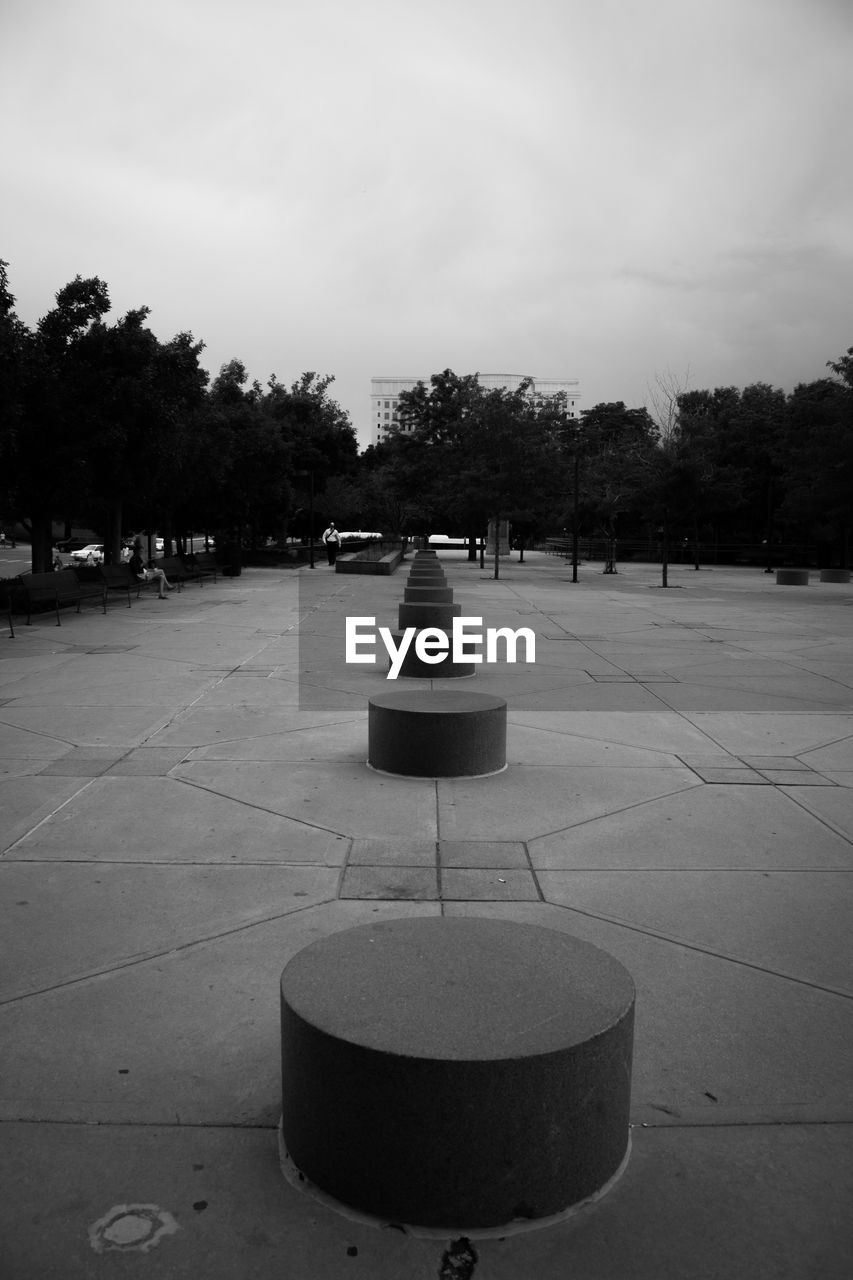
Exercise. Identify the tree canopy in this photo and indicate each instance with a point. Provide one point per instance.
(109, 427)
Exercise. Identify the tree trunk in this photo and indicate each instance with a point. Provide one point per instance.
(112, 546)
(42, 543)
(497, 545)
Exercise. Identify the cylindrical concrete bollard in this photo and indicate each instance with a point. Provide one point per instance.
(792, 577)
(428, 568)
(414, 668)
(438, 595)
(456, 1072)
(835, 575)
(443, 733)
(422, 615)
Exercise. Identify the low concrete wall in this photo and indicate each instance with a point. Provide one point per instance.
(387, 564)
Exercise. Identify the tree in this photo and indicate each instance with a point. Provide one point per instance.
(133, 395)
(239, 480)
(14, 340)
(47, 462)
(478, 454)
(818, 462)
(609, 449)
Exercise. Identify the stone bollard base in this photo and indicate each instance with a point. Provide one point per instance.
(456, 1072)
(441, 733)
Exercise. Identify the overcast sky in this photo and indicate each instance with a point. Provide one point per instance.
(608, 190)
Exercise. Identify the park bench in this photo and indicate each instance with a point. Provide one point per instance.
(56, 589)
(205, 563)
(110, 577)
(178, 571)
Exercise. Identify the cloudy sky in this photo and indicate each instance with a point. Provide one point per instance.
(611, 190)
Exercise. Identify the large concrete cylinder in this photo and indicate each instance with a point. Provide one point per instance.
(456, 1072)
(444, 733)
(430, 593)
(423, 614)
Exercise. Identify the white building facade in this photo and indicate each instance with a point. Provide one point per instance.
(385, 395)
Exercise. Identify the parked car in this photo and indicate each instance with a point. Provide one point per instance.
(93, 549)
(70, 544)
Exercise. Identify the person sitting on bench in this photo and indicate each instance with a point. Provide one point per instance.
(144, 574)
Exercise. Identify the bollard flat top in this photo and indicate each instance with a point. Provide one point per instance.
(436, 702)
(457, 988)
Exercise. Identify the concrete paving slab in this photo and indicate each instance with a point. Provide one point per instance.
(25, 802)
(402, 852)
(336, 742)
(482, 853)
(17, 744)
(418, 884)
(746, 697)
(91, 726)
(793, 923)
(345, 797)
(189, 1037)
(732, 826)
(659, 730)
(837, 756)
(795, 778)
(710, 1030)
(96, 917)
(202, 725)
(162, 1009)
(546, 746)
(501, 884)
(834, 807)
(592, 696)
(773, 732)
(737, 776)
(694, 1181)
(529, 802)
(84, 762)
(176, 822)
(153, 762)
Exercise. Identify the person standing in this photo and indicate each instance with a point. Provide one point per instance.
(332, 539)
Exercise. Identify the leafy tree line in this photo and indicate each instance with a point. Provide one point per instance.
(722, 466)
(105, 426)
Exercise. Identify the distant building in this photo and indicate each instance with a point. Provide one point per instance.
(385, 395)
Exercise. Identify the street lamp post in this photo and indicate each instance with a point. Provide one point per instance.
(575, 519)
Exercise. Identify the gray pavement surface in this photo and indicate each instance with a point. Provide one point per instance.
(186, 804)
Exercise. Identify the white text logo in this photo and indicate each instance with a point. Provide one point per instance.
(466, 643)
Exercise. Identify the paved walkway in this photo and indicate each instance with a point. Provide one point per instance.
(186, 804)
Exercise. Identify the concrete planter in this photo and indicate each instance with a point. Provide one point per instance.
(792, 577)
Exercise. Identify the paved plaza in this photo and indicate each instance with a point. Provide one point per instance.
(186, 804)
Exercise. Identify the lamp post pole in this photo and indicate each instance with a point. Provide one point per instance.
(575, 519)
(311, 519)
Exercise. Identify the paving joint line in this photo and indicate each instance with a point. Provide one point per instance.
(137, 961)
(674, 940)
